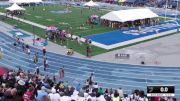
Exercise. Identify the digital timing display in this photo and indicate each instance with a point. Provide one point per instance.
(160, 90)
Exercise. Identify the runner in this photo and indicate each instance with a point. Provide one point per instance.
(15, 45)
(45, 64)
(54, 79)
(61, 73)
(44, 50)
(35, 58)
(88, 51)
(18, 40)
(37, 70)
(28, 51)
(23, 47)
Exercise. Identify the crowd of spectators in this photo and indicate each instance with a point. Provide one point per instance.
(27, 86)
(12, 13)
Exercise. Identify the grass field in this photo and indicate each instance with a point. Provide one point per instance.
(62, 21)
(74, 20)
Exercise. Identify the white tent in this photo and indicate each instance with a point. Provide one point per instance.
(25, 1)
(129, 15)
(15, 7)
(90, 4)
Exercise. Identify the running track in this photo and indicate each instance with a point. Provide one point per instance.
(108, 75)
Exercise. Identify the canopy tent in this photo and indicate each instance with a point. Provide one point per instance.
(25, 1)
(90, 4)
(15, 7)
(129, 15)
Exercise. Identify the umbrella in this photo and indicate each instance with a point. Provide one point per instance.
(3, 70)
(51, 28)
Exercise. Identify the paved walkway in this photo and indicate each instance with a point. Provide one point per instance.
(161, 52)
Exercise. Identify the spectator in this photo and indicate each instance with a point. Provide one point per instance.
(37, 70)
(28, 95)
(91, 78)
(111, 91)
(100, 97)
(45, 98)
(142, 96)
(120, 91)
(74, 96)
(41, 93)
(54, 96)
(66, 84)
(135, 95)
(65, 98)
(100, 91)
(95, 87)
(78, 87)
(116, 96)
(19, 86)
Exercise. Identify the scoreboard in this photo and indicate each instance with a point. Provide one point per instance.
(160, 90)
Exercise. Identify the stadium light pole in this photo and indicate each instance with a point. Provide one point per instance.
(33, 34)
(166, 9)
(177, 5)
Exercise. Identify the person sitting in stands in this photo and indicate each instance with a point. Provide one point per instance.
(70, 51)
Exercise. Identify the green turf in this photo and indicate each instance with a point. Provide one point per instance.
(73, 19)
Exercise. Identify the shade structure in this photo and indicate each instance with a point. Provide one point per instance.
(15, 7)
(3, 70)
(129, 15)
(25, 1)
(90, 4)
